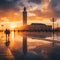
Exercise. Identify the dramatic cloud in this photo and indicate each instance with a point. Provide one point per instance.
(35, 1)
(7, 4)
(35, 8)
(55, 5)
(16, 4)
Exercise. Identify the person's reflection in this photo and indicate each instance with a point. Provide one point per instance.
(24, 45)
(8, 42)
(7, 32)
(53, 39)
(14, 33)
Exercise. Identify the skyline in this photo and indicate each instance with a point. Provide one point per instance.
(14, 24)
(37, 11)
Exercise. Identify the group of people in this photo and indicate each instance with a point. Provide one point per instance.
(7, 32)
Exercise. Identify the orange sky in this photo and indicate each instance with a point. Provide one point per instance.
(37, 12)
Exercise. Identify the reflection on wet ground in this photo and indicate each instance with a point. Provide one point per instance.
(30, 46)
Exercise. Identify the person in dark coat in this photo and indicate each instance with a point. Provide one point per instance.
(7, 32)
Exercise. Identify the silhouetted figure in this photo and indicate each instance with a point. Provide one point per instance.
(7, 32)
(24, 45)
(7, 43)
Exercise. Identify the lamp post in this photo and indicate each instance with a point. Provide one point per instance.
(2, 29)
(57, 30)
(53, 20)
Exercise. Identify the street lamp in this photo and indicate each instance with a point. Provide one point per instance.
(53, 20)
(2, 30)
(57, 29)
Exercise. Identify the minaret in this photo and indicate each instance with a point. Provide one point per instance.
(24, 16)
(24, 45)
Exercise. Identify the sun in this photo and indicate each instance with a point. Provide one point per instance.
(12, 26)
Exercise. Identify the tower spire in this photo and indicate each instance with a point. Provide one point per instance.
(24, 16)
(24, 8)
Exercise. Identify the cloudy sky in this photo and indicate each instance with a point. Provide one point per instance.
(11, 10)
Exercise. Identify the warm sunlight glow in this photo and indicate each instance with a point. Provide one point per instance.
(45, 5)
(4, 19)
(13, 26)
(10, 25)
(12, 35)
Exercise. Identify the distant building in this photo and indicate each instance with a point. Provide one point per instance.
(41, 26)
(38, 24)
(24, 16)
(37, 27)
(57, 29)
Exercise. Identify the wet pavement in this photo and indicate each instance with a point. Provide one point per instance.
(5, 52)
(38, 48)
